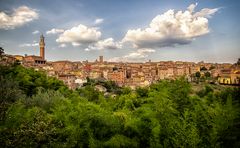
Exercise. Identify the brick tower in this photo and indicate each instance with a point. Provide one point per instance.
(42, 47)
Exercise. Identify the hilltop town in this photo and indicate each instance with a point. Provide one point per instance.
(75, 74)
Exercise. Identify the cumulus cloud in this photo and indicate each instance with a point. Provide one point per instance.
(87, 37)
(54, 31)
(138, 55)
(35, 32)
(19, 17)
(171, 28)
(108, 43)
(80, 35)
(99, 21)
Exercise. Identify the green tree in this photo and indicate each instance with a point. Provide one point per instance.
(207, 74)
(9, 93)
(198, 74)
(203, 68)
(238, 61)
(212, 67)
(89, 93)
(142, 92)
(1, 51)
(27, 127)
(126, 90)
(169, 113)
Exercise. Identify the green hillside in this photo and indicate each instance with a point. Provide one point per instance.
(40, 111)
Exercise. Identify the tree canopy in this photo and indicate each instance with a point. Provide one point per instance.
(40, 111)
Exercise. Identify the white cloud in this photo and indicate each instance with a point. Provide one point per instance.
(35, 32)
(75, 44)
(138, 55)
(105, 44)
(171, 28)
(19, 17)
(87, 37)
(28, 45)
(192, 7)
(87, 49)
(99, 21)
(54, 31)
(206, 12)
(62, 45)
(79, 35)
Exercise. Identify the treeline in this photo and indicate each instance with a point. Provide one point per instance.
(40, 111)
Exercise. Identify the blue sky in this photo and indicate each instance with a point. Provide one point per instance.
(133, 30)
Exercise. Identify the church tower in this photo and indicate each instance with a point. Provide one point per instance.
(42, 47)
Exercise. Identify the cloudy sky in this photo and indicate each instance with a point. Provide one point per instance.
(122, 30)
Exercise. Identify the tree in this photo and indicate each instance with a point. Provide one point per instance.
(9, 90)
(29, 80)
(17, 62)
(212, 67)
(169, 113)
(89, 93)
(1, 51)
(238, 62)
(198, 74)
(142, 92)
(126, 90)
(9, 93)
(207, 74)
(27, 127)
(203, 68)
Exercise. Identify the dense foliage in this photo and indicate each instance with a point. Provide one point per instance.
(40, 111)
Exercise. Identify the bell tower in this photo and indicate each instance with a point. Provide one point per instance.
(42, 47)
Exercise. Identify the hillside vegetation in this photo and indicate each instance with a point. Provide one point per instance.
(40, 111)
